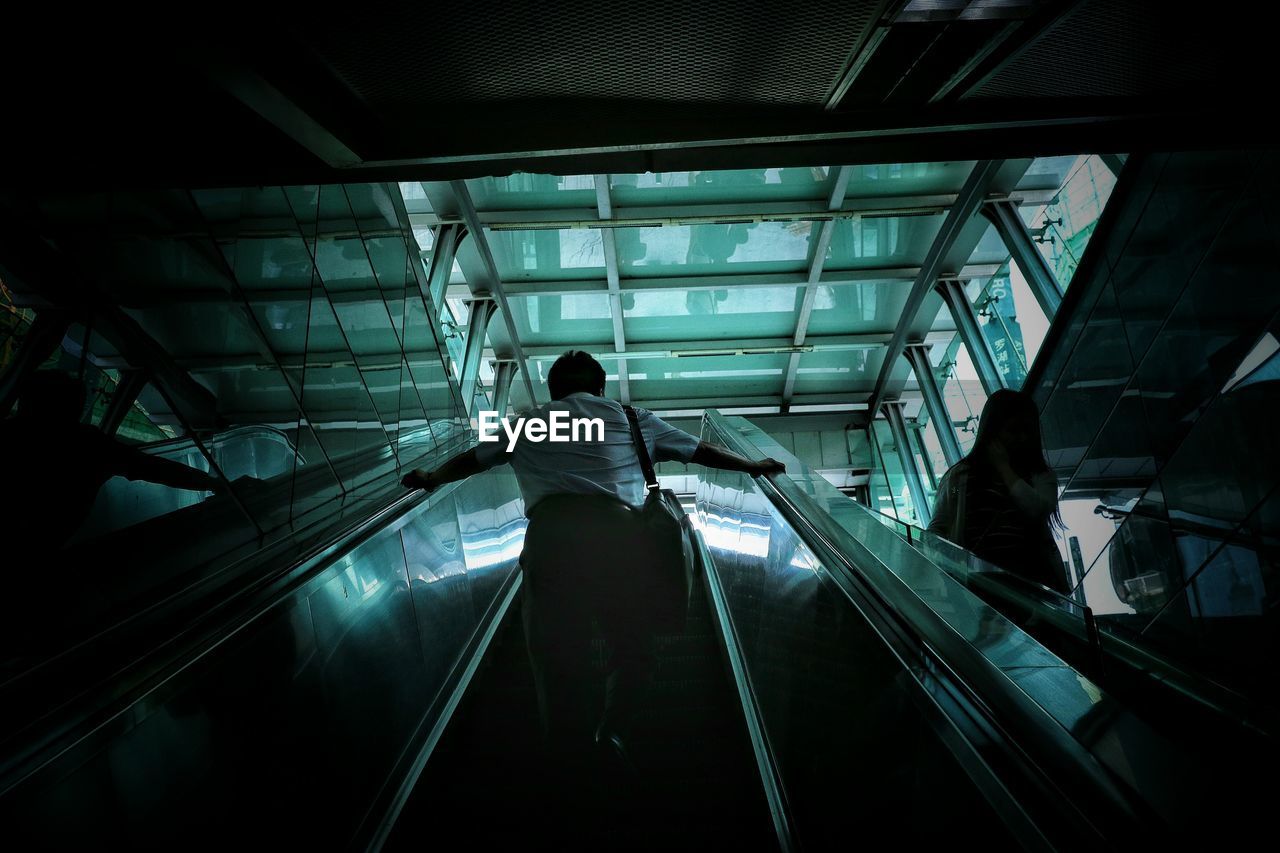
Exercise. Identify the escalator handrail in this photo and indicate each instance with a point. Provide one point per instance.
(110, 697)
(992, 694)
(1113, 642)
(917, 536)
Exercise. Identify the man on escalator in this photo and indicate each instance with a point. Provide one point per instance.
(585, 555)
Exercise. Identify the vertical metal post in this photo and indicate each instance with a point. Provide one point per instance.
(966, 320)
(477, 328)
(503, 372)
(918, 355)
(915, 430)
(1017, 239)
(897, 425)
(440, 265)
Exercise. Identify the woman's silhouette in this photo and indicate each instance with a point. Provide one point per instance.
(1000, 501)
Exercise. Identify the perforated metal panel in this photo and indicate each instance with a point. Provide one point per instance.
(1117, 48)
(781, 53)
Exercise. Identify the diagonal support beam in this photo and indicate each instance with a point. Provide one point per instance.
(967, 204)
(966, 322)
(468, 211)
(473, 349)
(1017, 239)
(604, 206)
(503, 372)
(825, 230)
(444, 246)
(918, 355)
(907, 459)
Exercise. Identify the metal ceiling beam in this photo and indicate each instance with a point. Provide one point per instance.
(571, 287)
(660, 349)
(1009, 48)
(742, 346)
(639, 216)
(878, 25)
(604, 206)
(231, 73)
(815, 273)
(828, 278)
(971, 198)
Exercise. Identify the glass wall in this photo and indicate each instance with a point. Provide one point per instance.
(1158, 418)
(276, 340)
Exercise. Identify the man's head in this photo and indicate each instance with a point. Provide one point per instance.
(52, 396)
(575, 371)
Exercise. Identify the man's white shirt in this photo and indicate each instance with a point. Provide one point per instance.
(589, 466)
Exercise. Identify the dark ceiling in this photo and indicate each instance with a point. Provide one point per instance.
(284, 93)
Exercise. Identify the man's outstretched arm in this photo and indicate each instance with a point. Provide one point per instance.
(460, 467)
(727, 460)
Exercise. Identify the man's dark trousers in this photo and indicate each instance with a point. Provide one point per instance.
(585, 558)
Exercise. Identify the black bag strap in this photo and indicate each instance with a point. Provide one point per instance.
(637, 438)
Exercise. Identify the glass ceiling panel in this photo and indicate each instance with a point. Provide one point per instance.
(718, 187)
(870, 306)
(716, 377)
(574, 320)
(705, 314)
(870, 242)
(711, 249)
(548, 255)
(1048, 173)
(990, 249)
(532, 192)
(893, 179)
(271, 263)
(851, 371)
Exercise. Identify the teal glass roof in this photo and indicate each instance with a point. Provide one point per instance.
(709, 285)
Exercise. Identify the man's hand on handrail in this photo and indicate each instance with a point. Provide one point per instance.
(717, 457)
(460, 467)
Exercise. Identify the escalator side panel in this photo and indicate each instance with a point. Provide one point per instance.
(305, 710)
(852, 747)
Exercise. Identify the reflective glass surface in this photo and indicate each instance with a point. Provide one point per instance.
(762, 247)
(871, 242)
(718, 187)
(548, 255)
(1159, 424)
(709, 314)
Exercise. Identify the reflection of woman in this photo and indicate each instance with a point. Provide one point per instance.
(1000, 500)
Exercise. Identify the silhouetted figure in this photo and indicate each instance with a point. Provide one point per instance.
(54, 465)
(1000, 501)
(585, 556)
